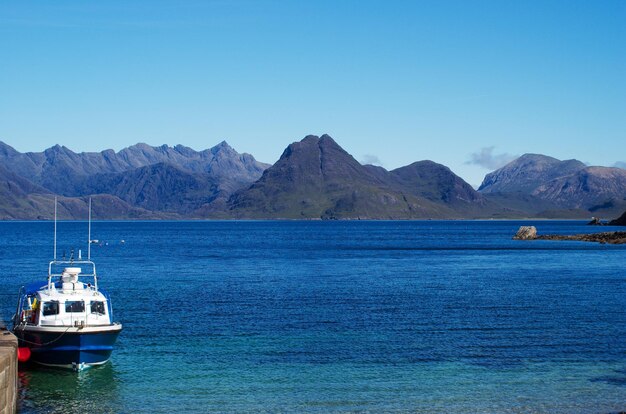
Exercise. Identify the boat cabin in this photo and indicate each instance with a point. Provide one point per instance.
(66, 302)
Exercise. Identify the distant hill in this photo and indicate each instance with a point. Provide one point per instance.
(526, 173)
(316, 178)
(158, 187)
(585, 188)
(436, 182)
(18, 196)
(104, 206)
(537, 183)
(20, 199)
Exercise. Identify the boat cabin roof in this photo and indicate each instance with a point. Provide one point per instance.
(61, 292)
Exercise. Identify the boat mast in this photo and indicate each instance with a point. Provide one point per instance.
(89, 233)
(55, 228)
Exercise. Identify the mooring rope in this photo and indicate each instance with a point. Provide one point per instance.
(46, 343)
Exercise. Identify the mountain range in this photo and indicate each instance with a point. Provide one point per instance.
(143, 181)
(554, 185)
(313, 179)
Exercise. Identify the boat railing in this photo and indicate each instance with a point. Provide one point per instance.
(25, 313)
(18, 310)
(74, 263)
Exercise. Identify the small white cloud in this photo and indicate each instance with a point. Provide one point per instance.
(487, 159)
(371, 159)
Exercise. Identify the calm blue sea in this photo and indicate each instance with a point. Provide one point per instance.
(420, 316)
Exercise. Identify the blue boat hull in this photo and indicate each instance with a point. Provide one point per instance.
(75, 350)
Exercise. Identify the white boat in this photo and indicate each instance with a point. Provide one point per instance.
(66, 321)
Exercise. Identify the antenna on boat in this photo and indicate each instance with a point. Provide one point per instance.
(55, 228)
(89, 233)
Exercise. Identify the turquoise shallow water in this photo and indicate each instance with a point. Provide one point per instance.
(339, 317)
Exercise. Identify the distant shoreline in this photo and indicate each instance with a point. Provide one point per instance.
(192, 220)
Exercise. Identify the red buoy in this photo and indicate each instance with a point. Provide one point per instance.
(23, 354)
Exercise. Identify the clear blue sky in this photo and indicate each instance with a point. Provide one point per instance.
(390, 81)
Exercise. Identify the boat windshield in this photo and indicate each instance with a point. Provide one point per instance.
(51, 308)
(97, 307)
(74, 306)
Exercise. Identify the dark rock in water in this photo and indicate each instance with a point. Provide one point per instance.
(526, 233)
(611, 237)
(595, 221)
(621, 221)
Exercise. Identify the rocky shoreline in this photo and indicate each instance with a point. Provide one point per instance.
(611, 237)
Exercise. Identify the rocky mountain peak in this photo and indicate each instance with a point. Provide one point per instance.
(535, 158)
(224, 148)
(141, 145)
(309, 139)
(56, 149)
(185, 151)
(525, 173)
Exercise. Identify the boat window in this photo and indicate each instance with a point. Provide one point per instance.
(75, 306)
(97, 307)
(50, 308)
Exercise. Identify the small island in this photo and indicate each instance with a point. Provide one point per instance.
(611, 237)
